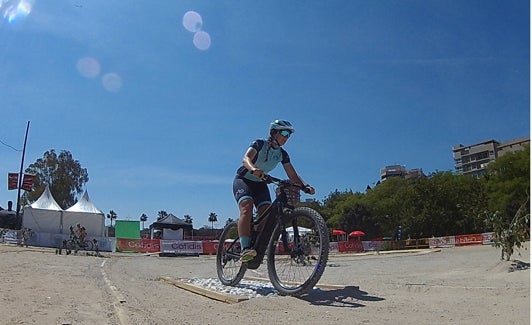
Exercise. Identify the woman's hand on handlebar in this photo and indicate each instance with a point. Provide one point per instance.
(258, 173)
(308, 189)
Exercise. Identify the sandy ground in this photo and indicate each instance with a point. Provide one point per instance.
(463, 285)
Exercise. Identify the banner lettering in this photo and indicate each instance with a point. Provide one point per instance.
(12, 181)
(27, 182)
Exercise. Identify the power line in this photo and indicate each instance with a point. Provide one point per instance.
(7, 145)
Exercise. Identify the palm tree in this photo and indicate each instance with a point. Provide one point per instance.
(143, 218)
(111, 215)
(161, 215)
(188, 218)
(212, 219)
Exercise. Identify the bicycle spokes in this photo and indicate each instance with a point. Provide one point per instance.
(297, 255)
(228, 266)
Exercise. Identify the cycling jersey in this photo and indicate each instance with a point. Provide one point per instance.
(266, 159)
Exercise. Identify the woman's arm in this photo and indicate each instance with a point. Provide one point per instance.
(295, 178)
(247, 161)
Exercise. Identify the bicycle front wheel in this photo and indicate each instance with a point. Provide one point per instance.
(88, 245)
(294, 270)
(71, 245)
(228, 266)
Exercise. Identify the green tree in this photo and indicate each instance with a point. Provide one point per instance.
(508, 189)
(331, 210)
(385, 204)
(112, 216)
(212, 219)
(143, 218)
(62, 173)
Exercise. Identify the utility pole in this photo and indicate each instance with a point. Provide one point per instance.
(21, 175)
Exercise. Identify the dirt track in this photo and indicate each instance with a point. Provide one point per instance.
(466, 285)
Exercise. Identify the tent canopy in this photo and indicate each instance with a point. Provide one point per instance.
(45, 215)
(46, 201)
(302, 230)
(356, 233)
(172, 222)
(84, 205)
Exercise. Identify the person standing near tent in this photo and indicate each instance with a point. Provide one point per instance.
(78, 230)
(82, 235)
(249, 187)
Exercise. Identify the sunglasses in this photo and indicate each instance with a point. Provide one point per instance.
(285, 133)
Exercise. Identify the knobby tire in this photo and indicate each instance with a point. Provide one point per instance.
(228, 266)
(297, 273)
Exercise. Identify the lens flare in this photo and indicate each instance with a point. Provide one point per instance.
(112, 82)
(192, 21)
(202, 40)
(13, 10)
(88, 67)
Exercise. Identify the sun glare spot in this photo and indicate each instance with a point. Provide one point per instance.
(192, 21)
(112, 82)
(88, 67)
(13, 10)
(202, 40)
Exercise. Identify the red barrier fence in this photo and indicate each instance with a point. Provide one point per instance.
(209, 247)
(138, 245)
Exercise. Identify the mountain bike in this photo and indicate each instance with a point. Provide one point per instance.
(75, 244)
(294, 239)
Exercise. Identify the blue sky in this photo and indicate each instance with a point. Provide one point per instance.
(159, 106)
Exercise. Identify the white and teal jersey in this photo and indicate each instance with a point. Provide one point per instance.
(266, 159)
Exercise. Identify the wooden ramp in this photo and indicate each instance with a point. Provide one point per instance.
(229, 298)
(183, 284)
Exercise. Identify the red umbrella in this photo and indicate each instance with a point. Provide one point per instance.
(338, 232)
(357, 233)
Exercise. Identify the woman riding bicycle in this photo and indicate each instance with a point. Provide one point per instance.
(249, 187)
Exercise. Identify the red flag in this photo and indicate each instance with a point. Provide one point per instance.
(27, 182)
(12, 181)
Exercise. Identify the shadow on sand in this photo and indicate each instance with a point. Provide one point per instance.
(349, 296)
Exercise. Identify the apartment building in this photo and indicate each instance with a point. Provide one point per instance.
(400, 171)
(473, 159)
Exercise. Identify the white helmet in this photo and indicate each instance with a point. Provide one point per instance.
(280, 125)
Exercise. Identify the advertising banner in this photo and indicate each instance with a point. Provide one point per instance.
(441, 242)
(210, 247)
(333, 247)
(487, 238)
(138, 245)
(463, 240)
(350, 246)
(181, 247)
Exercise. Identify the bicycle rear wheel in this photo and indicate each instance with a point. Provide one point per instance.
(71, 245)
(295, 271)
(228, 266)
(88, 245)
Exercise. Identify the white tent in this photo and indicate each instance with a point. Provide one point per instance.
(46, 201)
(45, 215)
(85, 213)
(301, 230)
(84, 205)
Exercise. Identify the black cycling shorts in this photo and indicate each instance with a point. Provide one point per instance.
(244, 188)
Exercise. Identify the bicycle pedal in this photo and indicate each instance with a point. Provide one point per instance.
(253, 264)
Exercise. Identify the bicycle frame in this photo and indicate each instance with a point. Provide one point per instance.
(295, 264)
(273, 215)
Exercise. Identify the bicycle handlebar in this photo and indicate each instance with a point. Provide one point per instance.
(271, 179)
